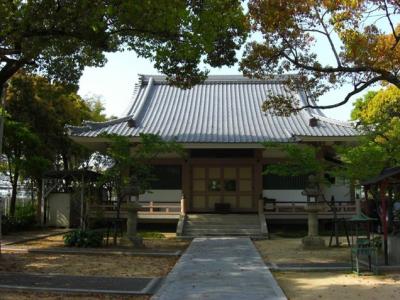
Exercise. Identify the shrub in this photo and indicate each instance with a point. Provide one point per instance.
(24, 218)
(7, 224)
(84, 238)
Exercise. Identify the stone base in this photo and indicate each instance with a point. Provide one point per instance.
(136, 242)
(313, 242)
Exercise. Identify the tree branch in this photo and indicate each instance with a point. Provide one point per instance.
(396, 37)
(386, 75)
(357, 89)
(321, 21)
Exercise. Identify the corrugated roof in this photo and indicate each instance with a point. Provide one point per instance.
(224, 109)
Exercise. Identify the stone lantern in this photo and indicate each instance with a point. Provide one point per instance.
(314, 205)
(132, 207)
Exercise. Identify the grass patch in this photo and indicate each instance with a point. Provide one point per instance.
(151, 234)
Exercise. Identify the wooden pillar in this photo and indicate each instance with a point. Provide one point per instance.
(383, 188)
(82, 221)
(42, 204)
(367, 210)
(186, 179)
(257, 175)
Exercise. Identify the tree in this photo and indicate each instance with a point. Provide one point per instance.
(378, 116)
(308, 160)
(59, 38)
(362, 37)
(19, 148)
(35, 137)
(128, 167)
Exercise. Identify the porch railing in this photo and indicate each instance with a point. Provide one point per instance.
(148, 208)
(297, 207)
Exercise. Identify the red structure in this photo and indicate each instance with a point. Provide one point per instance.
(383, 183)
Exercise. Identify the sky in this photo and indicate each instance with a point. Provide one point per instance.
(114, 83)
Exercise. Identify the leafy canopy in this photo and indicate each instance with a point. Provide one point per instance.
(362, 39)
(59, 38)
(378, 117)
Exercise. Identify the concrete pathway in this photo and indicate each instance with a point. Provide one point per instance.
(220, 268)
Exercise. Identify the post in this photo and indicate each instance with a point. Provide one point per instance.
(82, 197)
(2, 97)
(1, 213)
(260, 206)
(183, 206)
(384, 216)
(41, 204)
(358, 206)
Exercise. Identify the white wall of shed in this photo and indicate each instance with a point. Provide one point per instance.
(59, 209)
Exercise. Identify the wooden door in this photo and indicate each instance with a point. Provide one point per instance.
(222, 184)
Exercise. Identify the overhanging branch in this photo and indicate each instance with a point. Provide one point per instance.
(356, 90)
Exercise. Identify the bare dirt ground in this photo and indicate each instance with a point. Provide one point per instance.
(4, 295)
(331, 285)
(91, 265)
(289, 250)
(87, 265)
(165, 244)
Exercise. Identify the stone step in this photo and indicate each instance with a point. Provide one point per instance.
(220, 231)
(223, 226)
(222, 216)
(196, 223)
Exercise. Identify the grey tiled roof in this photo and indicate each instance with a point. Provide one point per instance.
(224, 109)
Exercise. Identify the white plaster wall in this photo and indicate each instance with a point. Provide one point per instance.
(161, 196)
(59, 209)
(285, 195)
(340, 191)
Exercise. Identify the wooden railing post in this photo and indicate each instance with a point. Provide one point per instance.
(183, 205)
(260, 206)
(151, 206)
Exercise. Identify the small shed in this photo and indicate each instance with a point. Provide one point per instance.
(64, 196)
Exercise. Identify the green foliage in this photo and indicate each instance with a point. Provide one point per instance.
(379, 117)
(26, 214)
(360, 105)
(361, 162)
(24, 218)
(59, 38)
(34, 135)
(300, 160)
(128, 168)
(84, 238)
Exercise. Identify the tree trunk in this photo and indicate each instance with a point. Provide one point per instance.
(14, 191)
(65, 162)
(39, 202)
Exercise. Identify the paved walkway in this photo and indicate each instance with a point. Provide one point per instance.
(77, 284)
(220, 268)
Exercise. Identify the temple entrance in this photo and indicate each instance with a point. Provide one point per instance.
(229, 187)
